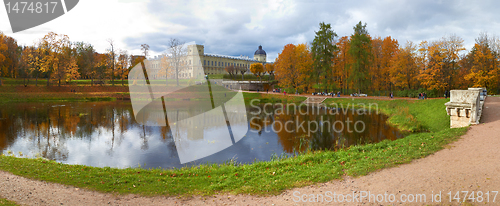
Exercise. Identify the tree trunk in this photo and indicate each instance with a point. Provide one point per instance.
(36, 80)
(91, 81)
(177, 75)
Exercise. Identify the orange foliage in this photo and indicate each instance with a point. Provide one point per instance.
(294, 67)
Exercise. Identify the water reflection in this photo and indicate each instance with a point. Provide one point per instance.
(106, 134)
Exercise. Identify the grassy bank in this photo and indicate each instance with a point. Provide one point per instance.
(5, 202)
(262, 178)
(63, 93)
(101, 93)
(407, 115)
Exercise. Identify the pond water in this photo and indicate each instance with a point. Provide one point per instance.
(106, 134)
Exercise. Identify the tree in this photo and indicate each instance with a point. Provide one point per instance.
(177, 52)
(242, 71)
(294, 66)
(59, 57)
(145, 49)
(440, 62)
(483, 71)
(404, 70)
(11, 56)
(3, 58)
(383, 51)
(323, 48)
(51, 46)
(113, 59)
(101, 66)
(270, 69)
(86, 61)
(432, 76)
(343, 61)
(165, 68)
(231, 71)
(390, 48)
(123, 64)
(257, 69)
(360, 52)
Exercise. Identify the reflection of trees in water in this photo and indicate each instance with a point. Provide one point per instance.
(48, 126)
(328, 129)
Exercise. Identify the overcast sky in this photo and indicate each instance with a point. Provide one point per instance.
(236, 27)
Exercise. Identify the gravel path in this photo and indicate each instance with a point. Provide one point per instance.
(470, 164)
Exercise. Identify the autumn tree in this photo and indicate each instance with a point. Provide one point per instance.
(3, 58)
(360, 52)
(432, 75)
(257, 69)
(383, 51)
(101, 66)
(166, 70)
(59, 57)
(270, 69)
(123, 64)
(50, 46)
(403, 71)
(484, 67)
(11, 55)
(323, 48)
(343, 61)
(440, 62)
(294, 67)
(34, 61)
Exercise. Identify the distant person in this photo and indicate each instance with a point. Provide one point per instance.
(392, 95)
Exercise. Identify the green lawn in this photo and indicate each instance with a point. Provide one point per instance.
(427, 118)
(5, 202)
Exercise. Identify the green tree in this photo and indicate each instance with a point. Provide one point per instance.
(360, 52)
(323, 48)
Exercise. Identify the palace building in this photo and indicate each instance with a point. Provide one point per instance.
(196, 63)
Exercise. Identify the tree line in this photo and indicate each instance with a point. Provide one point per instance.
(56, 58)
(376, 65)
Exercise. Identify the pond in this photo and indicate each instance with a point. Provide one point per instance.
(107, 134)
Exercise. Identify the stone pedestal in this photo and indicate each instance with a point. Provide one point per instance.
(464, 107)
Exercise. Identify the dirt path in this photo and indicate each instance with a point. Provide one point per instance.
(470, 164)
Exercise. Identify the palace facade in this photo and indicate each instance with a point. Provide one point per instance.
(196, 63)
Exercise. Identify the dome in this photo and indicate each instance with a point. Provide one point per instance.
(260, 51)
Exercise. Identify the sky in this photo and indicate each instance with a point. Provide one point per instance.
(238, 27)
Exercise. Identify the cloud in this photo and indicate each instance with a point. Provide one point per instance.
(239, 27)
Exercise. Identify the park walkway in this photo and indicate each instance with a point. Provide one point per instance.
(469, 164)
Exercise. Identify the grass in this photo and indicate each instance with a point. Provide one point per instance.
(407, 115)
(63, 93)
(263, 178)
(5, 202)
